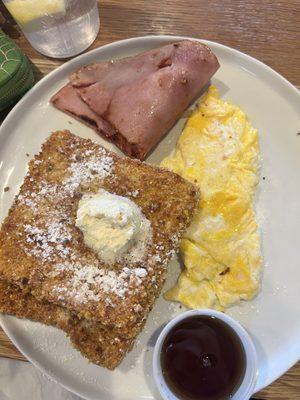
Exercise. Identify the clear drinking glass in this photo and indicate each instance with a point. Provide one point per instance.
(57, 28)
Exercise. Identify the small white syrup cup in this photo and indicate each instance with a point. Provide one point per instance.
(246, 388)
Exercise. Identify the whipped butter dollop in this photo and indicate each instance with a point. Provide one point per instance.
(112, 225)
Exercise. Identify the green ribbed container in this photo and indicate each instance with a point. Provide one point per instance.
(16, 76)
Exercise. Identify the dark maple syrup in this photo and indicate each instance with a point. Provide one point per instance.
(202, 358)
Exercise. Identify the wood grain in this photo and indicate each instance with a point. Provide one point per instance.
(266, 29)
(7, 349)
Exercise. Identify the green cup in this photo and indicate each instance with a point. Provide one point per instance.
(16, 76)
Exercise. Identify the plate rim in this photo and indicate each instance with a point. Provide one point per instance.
(56, 71)
(146, 38)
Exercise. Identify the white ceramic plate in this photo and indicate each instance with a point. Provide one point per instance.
(273, 318)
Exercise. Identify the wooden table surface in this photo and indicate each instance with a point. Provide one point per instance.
(266, 29)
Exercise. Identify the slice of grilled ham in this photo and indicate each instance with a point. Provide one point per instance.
(134, 101)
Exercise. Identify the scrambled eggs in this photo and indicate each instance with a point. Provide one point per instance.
(218, 151)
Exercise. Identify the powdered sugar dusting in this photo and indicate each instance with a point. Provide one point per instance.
(87, 282)
(48, 237)
(77, 276)
(85, 171)
(49, 240)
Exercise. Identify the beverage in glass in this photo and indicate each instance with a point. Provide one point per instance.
(57, 28)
